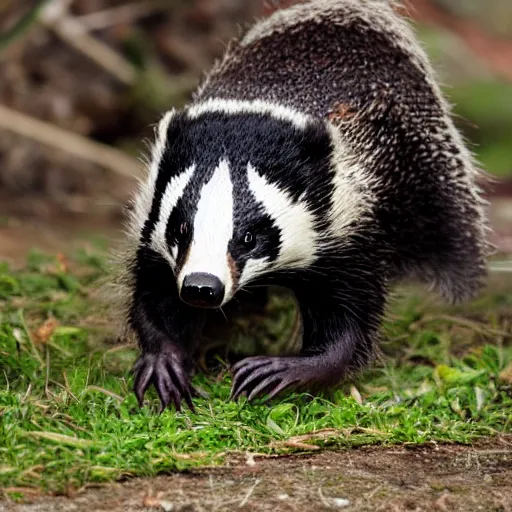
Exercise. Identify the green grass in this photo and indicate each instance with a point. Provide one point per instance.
(68, 417)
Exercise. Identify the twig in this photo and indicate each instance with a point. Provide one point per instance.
(56, 137)
(120, 14)
(374, 492)
(248, 495)
(105, 392)
(35, 352)
(66, 389)
(300, 446)
(465, 322)
(47, 373)
(322, 498)
(505, 266)
(55, 17)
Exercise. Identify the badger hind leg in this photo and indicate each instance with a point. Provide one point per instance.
(341, 318)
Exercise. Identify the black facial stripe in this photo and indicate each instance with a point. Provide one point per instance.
(186, 209)
(176, 219)
(175, 159)
(298, 161)
(249, 215)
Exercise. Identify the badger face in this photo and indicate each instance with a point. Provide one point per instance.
(232, 196)
(222, 239)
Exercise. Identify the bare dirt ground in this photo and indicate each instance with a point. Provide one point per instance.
(18, 236)
(433, 478)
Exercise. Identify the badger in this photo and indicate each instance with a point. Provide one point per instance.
(320, 155)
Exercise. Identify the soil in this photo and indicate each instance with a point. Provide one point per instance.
(432, 478)
(52, 235)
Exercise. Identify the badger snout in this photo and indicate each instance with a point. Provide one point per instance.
(202, 290)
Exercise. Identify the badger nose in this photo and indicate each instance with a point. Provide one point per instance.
(202, 290)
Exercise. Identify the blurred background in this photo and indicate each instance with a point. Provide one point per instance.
(82, 81)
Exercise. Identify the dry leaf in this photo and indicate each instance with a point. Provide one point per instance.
(158, 503)
(151, 502)
(63, 263)
(44, 332)
(506, 375)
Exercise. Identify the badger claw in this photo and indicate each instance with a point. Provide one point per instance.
(164, 370)
(256, 376)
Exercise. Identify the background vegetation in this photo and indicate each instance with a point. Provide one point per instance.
(99, 72)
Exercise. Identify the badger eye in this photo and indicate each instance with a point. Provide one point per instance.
(178, 233)
(249, 240)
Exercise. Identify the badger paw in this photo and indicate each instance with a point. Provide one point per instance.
(165, 371)
(256, 376)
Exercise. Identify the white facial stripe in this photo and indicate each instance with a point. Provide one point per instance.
(213, 229)
(173, 192)
(144, 197)
(253, 268)
(296, 222)
(277, 111)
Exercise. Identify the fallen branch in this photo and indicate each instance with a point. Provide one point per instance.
(51, 135)
(54, 16)
(157, 84)
(120, 14)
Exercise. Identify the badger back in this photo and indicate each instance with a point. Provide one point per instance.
(321, 54)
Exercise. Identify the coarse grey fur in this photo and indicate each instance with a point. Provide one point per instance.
(401, 187)
(360, 64)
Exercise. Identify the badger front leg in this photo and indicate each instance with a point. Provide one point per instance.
(339, 332)
(167, 330)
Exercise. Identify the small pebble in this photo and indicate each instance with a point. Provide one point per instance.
(166, 506)
(340, 502)
(283, 497)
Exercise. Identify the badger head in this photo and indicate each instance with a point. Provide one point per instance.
(236, 191)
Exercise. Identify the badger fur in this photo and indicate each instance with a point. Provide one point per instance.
(320, 155)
